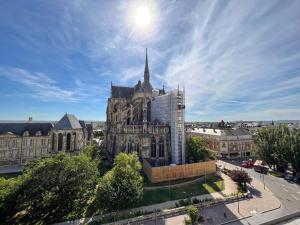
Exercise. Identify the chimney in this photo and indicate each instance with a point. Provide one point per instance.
(30, 119)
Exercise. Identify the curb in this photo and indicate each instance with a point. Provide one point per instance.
(232, 221)
(282, 219)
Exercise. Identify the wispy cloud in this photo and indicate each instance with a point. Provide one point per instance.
(236, 59)
(41, 85)
(237, 54)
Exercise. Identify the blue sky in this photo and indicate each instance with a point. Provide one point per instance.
(238, 60)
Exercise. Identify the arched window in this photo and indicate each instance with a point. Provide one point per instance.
(68, 142)
(137, 147)
(129, 146)
(153, 147)
(161, 148)
(60, 141)
(53, 141)
(74, 141)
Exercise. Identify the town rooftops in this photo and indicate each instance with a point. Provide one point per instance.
(221, 132)
(19, 128)
(68, 121)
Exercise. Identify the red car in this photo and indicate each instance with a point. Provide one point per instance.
(247, 164)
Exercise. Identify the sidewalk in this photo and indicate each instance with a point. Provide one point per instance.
(263, 200)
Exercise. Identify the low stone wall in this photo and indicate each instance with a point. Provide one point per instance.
(166, 173)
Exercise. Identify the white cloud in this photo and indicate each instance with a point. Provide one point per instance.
(235, 55)
(41, 85)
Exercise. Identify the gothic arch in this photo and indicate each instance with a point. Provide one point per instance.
(68, 146)
(60, 141)
(161, 147)
(153, 147)
(75, 141)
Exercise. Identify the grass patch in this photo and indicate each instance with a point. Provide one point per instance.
(213, 184)
(10, 175)
(276, 174)
(147, 182)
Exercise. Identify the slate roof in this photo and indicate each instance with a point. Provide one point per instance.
(20, 128)
(82, 123)
(236, 132)
(226, 132)
(121, 92)
(68, 121)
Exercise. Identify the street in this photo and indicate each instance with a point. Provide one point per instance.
(288, 194)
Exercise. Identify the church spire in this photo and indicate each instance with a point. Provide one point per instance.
(146, 72)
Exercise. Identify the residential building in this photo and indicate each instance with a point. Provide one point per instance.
(226, 143)
(24, 141)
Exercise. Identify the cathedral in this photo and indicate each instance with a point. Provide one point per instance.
(133, 124)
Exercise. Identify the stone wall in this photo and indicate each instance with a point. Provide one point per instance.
(165, 173)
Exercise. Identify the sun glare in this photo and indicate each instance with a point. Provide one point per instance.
(142, 16)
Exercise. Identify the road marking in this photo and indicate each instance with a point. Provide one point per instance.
(285, 189)
(295, 197)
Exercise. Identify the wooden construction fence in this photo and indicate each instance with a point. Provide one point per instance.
(166, 173)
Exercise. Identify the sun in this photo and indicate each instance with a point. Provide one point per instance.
(143, 16)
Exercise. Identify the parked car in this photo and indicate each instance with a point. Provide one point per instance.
(289, 177)
(249, 195)
(247, 164)
(259, 166)
(296, 180)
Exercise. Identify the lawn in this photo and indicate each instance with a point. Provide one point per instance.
(213, 184)
(10, 175)
(276, 174)
(147, 182)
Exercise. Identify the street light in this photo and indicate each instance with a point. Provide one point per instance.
(237, 194)
(264, 180)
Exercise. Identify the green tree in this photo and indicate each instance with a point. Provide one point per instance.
(92, 151)
(121, 187)
(54, 189)
(196, 149)
(194, 217)
(273, 145)
(264, 145)
(294, 156)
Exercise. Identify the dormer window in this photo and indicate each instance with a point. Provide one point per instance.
(26, 134)
(38, 133)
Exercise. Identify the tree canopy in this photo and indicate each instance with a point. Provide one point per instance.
(196, 150)
(52, 189)
(279, 147)
(194, 217)
(121, 187)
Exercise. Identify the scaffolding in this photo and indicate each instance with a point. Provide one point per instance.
(169, 109)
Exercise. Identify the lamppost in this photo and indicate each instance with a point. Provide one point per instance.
(205, 173)
(237, 194)
(264, 180)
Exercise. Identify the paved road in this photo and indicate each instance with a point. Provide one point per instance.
(287, 192)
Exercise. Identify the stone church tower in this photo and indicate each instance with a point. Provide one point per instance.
(129, 126)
